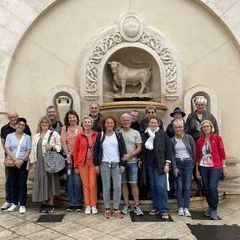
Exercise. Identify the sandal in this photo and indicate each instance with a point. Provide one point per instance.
(117, 214)
(107, 214)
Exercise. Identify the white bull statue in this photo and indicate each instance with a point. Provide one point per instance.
(124, 76)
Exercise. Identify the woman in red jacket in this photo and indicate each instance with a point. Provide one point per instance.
(83, 162)
(210, 164)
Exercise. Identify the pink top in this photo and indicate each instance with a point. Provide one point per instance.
(68, 138)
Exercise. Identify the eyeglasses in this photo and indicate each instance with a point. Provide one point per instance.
(22, 124)
(45, 122)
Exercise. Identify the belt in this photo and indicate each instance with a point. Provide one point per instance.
(183, 159)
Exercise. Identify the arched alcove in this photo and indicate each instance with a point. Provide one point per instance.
(135, 58)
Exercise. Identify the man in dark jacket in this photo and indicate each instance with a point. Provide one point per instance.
(200, 114)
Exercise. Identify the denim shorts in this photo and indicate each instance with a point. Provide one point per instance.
(131, 173)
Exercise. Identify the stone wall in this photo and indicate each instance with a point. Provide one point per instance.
(59, 30)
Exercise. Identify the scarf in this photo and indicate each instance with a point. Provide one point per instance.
(149, 142)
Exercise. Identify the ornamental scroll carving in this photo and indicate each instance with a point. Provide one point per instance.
(98, 53)
(147, 39)
(167, 60)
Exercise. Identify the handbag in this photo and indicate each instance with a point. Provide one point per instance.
(8, 162)
(54, 162)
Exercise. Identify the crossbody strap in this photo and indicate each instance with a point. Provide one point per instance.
(19, 146)
(49, 138)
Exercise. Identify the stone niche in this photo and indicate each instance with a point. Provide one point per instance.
(137, 58)
(131, 41)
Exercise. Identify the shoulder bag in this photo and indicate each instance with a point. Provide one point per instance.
(54, 162)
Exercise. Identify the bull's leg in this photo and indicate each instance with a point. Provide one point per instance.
(115, 88)
(142, 88)
(123, 86)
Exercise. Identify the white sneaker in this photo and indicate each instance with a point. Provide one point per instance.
(22, 209)
(94, 210)
(187, 213)
(180, 212)
(12, 208)
(5, 206)
(88, 210)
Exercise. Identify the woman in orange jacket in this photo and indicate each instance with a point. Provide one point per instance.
(83, 162)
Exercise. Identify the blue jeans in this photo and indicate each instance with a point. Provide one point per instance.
(210, 178)
(18, 179)
(183, 181)
(74, 188)
(107, 171)
(158, 183)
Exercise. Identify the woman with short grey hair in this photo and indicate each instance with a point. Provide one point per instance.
(184, 152)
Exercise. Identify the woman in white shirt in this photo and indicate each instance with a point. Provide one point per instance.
(109, 160)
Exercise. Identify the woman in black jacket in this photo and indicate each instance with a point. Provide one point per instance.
(157, 155)
(109, 151)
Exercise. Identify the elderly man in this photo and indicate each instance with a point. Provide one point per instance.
(5, 130)
(194, 119)
(133, 143)
(52, 114)
(95, 115)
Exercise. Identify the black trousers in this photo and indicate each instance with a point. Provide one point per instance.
(18, 180)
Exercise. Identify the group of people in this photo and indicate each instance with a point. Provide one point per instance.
(93, 146)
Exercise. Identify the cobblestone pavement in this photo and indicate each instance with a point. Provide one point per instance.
(79, 226)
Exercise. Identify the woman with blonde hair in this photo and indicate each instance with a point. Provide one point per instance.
(45, 185)
(83, 163)
(210, 165)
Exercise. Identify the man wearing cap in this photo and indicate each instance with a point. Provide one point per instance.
(176, 114)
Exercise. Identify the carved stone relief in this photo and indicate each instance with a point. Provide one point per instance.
(131, 29)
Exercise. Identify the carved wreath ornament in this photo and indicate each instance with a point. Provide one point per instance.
(114, 39)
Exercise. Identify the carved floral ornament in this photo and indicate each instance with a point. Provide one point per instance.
(113, 39)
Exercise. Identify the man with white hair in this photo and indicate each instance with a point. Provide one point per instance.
(133, 143)
(194, 119)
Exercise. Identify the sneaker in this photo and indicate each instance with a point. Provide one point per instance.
(43, 208)
(5, 206)
(125, 210)
(71, 209)
(153, 212)
(50, 209)
(12, 208)
(208, 212)
(138, 211)
(214, 215)
(22, 210)
(180, 212)
(88, 210)
(94, 210)
(78, 208)
(186, 212)
(165, 216)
